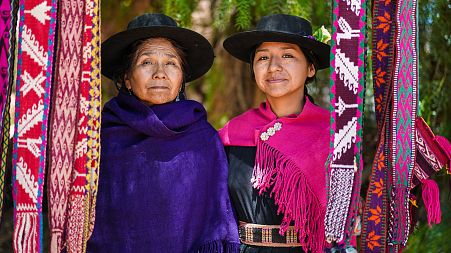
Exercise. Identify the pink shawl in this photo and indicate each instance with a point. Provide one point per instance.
(290, 163)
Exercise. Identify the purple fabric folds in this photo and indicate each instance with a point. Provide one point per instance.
(163, 181)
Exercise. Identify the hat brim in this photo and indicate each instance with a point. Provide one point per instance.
(199, 53)
(241, 44)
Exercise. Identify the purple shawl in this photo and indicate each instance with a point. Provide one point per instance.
(163, 181)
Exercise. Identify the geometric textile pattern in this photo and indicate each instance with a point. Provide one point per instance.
(77, 208)
(375, 216)
(34, 76)
(5, 26)
(93, 152)
(431, 156)
(405, 84)
(347, 89)
(67, 175)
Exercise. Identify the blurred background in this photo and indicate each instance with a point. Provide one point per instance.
(228, 90)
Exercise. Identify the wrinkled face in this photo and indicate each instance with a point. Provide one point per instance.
(281, 69)
(156, 74)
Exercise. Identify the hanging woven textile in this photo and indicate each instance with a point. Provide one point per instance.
(5, 89)
(374, 228)
(80, 202)
(68, 193)
(94, 113)
(408, 152)
(34, 76)
(347, 92)
(403, 115)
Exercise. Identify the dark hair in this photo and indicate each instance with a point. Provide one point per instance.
(129, 58)
(311, 59)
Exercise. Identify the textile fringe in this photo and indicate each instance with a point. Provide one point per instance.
(292, 194)
(219, 246)
(431, 199)
(25, 232)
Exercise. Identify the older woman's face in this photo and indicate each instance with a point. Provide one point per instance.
(156, 74)
(281, 69)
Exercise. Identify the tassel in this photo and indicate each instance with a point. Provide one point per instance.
(431, 199)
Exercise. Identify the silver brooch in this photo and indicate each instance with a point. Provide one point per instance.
(271, 131)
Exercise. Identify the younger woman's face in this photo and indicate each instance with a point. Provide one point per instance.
(156, 74)
(281, 70)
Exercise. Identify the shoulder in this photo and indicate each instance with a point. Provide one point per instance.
(239, 130)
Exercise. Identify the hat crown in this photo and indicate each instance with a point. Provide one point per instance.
(285, 24)
(151, 19)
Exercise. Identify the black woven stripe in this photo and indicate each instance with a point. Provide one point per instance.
(258, 235)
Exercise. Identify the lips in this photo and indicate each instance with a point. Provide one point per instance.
(275, 80)
(158, 87)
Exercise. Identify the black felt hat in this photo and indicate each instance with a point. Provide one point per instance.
(199, 53)
(278, 28)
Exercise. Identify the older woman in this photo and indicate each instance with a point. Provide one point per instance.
(277, 152)
(163, 178)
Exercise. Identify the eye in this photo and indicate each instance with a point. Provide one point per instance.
(146, 62)
(262, 58)
(171, 63)
(287, 56)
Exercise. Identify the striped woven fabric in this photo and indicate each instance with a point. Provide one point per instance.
(93, 152)
(64, 121)
(71, 166)
(267, 235)
(34, 76)
(374, 225)
(403, 115)
(347, 90)
(78, 217)
(5, 89)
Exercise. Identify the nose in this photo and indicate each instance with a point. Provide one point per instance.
(274, 64)
(159, 72)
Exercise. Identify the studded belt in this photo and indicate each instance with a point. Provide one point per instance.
(267, 235)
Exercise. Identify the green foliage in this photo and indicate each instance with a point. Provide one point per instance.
(244, 13)
(244, 17)
(180, 10)
(435, 58)
(224, 14)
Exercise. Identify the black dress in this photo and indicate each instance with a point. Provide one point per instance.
(249, 206)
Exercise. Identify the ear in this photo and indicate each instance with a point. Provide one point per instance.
(128, 85)
(311, 70)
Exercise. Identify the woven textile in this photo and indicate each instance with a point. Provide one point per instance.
(78, 193)
(68, 167)
(5, 25)
(431, 155)
(34, 76)
(347, 89)
(374, 228)
(405, 81)
(93, 141)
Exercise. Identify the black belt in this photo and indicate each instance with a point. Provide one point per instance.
(267, 235)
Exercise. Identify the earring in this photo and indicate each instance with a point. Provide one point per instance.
(129, 91)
